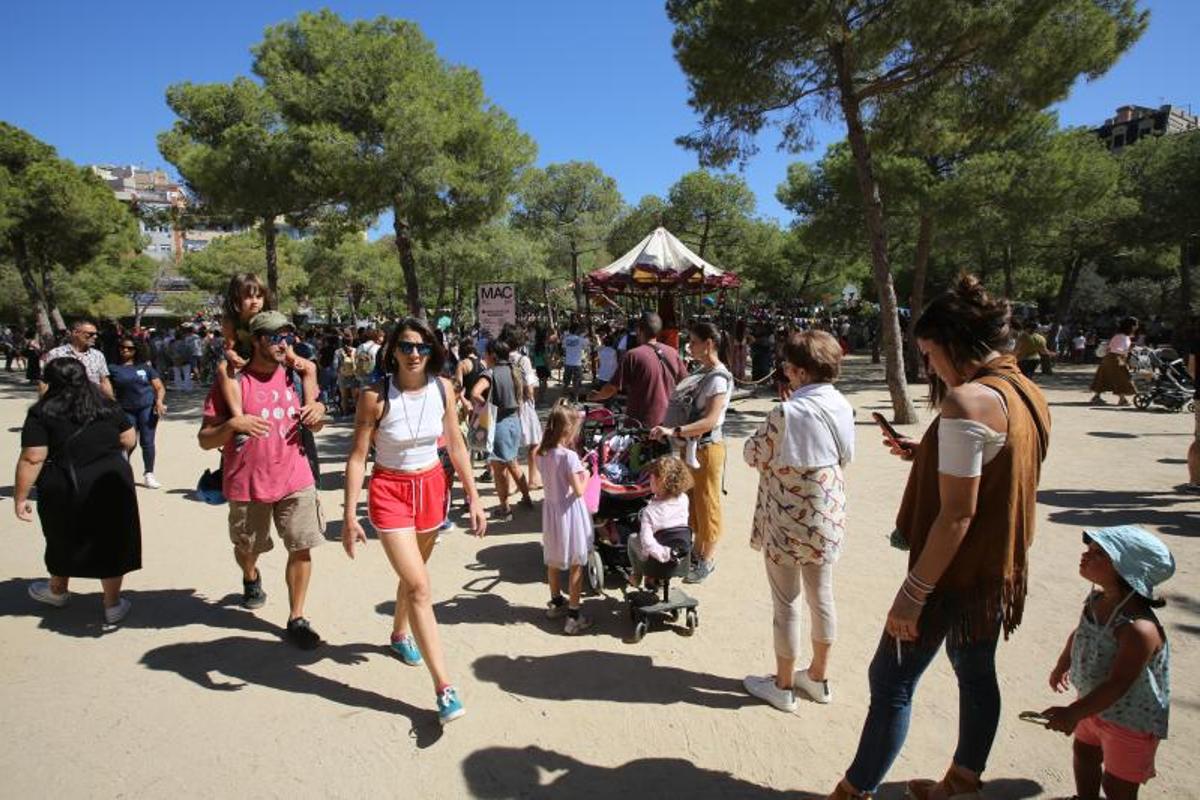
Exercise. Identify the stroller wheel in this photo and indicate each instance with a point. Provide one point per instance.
(1141, 401)
(595, 573)
(639, 630)
(1190, 407)
(673, 615)
(692, 621)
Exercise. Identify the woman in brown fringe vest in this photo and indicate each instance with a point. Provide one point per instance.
(967, 521)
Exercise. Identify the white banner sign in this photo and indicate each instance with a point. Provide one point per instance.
(497, 305)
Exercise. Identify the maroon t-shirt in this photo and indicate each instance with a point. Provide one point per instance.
(647, 382)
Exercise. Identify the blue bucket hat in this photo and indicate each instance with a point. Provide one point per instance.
(1139, 557)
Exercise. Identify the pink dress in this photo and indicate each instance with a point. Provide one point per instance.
(566, 523)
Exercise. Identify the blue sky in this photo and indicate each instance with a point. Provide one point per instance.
(589, 81)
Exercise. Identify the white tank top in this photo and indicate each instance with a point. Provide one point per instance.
(408, 434)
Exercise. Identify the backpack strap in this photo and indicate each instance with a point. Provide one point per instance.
(663, 360)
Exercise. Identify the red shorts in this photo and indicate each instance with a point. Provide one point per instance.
(407, 501)
(1128, 754)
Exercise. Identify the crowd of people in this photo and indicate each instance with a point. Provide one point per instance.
(429, 400)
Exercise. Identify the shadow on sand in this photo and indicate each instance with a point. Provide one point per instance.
(1088, 508)
(534, 772)
(236, 661)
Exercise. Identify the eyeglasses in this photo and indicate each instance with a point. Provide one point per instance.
(282, 338)
(420, 348)
(88, 334)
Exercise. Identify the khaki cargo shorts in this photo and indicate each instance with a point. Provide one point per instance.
(298, 521)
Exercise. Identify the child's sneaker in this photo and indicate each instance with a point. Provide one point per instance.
(405, 646)
(556, 608)
(578, 624)
(449, 706)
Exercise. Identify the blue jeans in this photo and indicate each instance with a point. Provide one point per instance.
(145, 421)
(892, 687)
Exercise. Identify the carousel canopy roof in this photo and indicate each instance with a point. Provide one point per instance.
(660, 261)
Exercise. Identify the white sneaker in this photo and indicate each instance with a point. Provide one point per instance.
(41, 591)
(576, 625)
(819, 691)
(763, 687)
(114, 614)
(151, 481)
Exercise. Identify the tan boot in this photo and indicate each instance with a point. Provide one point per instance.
(954, 786)
(844, 792)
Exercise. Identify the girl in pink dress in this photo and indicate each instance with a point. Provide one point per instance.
(566, 523)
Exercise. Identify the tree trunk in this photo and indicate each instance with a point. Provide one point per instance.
(575, 280)
(408, 262)
(1185, 283)
(269, 236)
(889, 317)
(51, 295)
(704, 236)
(36, 300)
(1066, 290)
(912, 359)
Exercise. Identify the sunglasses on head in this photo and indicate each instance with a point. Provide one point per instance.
(282, 338)
(420, 348)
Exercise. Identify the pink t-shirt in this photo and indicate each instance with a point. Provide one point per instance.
(263, 469)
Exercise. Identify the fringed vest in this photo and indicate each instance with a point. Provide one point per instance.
(984, 587)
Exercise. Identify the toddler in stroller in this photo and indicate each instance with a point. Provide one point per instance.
(661, 550)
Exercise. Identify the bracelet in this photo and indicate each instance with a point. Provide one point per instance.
(917, 588)
(920, 584)
(904, 588)
(915, 593)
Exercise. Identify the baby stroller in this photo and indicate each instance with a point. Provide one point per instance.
(645, 605)
(1170, 387)
(621, 490)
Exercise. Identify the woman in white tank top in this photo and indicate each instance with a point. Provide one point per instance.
(404, 416)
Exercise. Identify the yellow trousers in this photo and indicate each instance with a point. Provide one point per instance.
(704, 506)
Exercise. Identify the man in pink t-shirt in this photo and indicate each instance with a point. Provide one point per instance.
(265, 474)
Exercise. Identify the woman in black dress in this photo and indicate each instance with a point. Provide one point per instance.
(74, 447)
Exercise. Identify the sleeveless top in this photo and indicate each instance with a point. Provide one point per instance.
(408, 434)
(1146, 706)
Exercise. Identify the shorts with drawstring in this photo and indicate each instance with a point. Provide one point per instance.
(407, 501)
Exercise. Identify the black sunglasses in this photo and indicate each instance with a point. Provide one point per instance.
(88, 334)
(127, 347)
(420, 348)
(282, 338)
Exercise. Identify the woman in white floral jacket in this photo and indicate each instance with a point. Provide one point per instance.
(800, 515)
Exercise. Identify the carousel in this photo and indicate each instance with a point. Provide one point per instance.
(662, 274)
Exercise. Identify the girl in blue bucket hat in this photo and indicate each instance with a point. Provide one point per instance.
(1119, 661)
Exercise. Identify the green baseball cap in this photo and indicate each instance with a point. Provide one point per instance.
(269, 322)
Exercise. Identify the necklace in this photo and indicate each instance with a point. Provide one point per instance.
(412, 434)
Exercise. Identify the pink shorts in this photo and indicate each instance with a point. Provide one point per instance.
(407, 501)
(1128, 754)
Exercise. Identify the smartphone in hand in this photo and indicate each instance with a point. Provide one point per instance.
(891, 432)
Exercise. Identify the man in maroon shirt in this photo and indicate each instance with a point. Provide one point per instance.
(647, 375)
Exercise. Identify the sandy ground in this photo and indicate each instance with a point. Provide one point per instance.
(196, 697)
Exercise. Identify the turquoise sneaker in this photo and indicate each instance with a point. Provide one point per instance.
(406, 648)
(449, 706)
